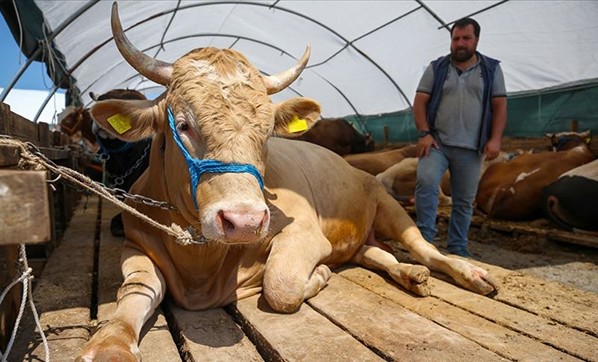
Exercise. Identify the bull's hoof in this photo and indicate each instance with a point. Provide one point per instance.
(109, 354)
(414, 278)
(114, 342)
(473, 277)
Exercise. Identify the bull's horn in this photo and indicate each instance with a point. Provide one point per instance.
(153, 69)
(277, 82)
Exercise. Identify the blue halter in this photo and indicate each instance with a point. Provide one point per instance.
(197, 166)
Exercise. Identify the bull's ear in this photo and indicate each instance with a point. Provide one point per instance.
(129, 120)
(295, 116)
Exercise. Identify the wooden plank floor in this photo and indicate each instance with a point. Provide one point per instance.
(359, 316)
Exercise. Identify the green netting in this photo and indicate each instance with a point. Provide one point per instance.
(529, 115)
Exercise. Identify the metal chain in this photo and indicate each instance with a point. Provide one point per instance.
(117, 192)
(121, 179)
(32, 156)
(122, 194)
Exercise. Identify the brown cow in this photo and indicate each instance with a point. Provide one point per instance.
(339, 136)
(215, 121)
(399, 180)
(77, 124)
(378, 161)
(513, 190)
(123, 162)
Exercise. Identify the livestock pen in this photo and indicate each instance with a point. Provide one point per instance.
(360, 315)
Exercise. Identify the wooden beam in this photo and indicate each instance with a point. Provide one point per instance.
(17, 126)
(25, 210)
(62, 295)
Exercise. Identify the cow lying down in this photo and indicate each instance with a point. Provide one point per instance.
(570, 201)
(313, 212)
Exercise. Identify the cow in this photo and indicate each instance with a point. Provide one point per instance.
(513, 190)
(339, 136)
(77, 124)
(269, 215)
(123, 162)
(570, 201)
(399, 181)
(376, 162)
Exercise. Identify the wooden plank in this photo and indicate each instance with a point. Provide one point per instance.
(542, 228)
(9, 156)
(495, 337)
(18, 126)
(62, 295)
(576, 343)
(302, 336)
(389, 328)
(576, 308)
(9, 271)
(25, 211)
(56, 154)
(212, 335)
(45, 137)
(156, 342)
(585, 238)
(5, 117)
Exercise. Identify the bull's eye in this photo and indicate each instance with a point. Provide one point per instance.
(182, 126)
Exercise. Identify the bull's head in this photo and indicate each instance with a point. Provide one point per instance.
(215, 109)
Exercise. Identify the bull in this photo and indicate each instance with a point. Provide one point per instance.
(273, 214)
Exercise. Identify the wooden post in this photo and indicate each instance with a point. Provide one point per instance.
(25, 212)
(574, 125)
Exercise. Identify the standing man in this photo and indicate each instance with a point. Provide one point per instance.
(460, 112)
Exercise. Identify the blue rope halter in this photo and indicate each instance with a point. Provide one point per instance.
(198, 167)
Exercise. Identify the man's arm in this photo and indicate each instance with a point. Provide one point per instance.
(420, 114)
(499, 122)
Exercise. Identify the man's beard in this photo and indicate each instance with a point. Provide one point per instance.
(461, 55)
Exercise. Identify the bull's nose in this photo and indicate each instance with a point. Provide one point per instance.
(243, 226)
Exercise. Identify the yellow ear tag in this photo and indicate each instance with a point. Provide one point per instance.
(297, 125)
(121, 124)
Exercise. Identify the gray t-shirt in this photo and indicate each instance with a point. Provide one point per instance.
(459, 117)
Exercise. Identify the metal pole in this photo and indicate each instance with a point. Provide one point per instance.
(51, 37)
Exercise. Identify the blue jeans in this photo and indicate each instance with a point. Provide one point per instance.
(464, 167)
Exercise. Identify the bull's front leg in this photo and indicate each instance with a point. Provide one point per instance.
(293, 270)
(141, 292)
(394, 222)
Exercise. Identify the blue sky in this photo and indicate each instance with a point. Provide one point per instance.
(11, 61)
(32, 88)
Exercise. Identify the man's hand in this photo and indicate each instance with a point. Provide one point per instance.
(491, 149)
(424, 145)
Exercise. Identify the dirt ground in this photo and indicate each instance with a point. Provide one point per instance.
(568, 264)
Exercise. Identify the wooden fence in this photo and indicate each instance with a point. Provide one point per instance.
(33, 211)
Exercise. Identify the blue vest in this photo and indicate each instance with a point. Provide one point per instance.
(488, 66)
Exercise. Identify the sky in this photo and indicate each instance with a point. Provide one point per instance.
(33, 87)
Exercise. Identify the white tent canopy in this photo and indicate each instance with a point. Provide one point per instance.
(367, 56)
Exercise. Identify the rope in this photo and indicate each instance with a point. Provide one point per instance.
(25, 278)
(40, 162)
